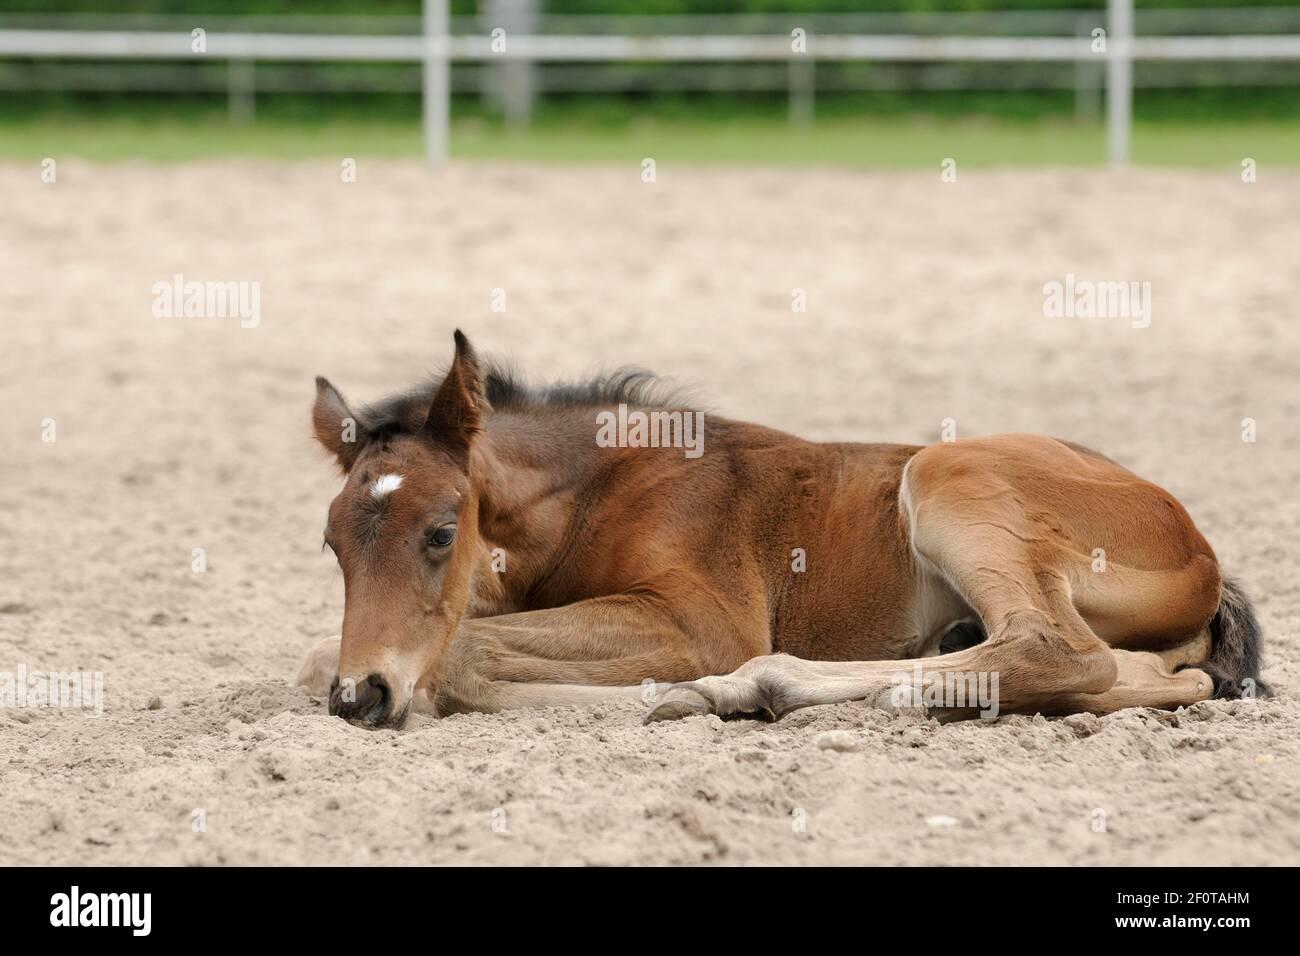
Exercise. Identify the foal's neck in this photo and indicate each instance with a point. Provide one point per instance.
(532, 468)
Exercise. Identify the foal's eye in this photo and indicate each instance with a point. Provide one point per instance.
(443, 536)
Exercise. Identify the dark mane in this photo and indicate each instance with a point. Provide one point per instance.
(507, 391)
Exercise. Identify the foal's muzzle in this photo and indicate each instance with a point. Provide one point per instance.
(369, 701)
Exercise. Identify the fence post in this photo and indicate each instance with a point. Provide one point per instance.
(437, 81)
(1087, 78)
(511, 83)
(802, 82)
(1119, 81)
(241, 96)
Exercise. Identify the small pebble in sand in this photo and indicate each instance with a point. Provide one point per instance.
(1264, 759)
(940, 820)
(155, 703)
(840, 740)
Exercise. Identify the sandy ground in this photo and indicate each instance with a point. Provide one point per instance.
(924, 302)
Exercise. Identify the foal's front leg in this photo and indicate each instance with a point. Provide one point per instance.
(593, 650)
(494, 669)
(320, 667)
(619, 646)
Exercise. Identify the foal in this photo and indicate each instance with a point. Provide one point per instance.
(497, 552)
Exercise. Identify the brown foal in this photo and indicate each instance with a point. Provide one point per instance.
(506, 547)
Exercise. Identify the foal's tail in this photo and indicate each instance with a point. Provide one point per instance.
(1235, 641)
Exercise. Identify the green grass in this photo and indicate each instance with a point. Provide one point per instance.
(888, 142)
(837, 140)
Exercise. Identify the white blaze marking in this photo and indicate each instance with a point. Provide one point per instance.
(385, 485)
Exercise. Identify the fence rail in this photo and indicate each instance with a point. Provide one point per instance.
(543, 48)
(437, 48)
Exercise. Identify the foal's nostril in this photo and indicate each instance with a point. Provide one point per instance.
(382, 695)
(367, 699)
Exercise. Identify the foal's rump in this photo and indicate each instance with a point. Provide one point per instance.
(1122, 552)
(1158, 608)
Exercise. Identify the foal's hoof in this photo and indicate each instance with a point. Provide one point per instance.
(680, 702)
(320, 668)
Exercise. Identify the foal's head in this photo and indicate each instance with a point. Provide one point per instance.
(404, 529)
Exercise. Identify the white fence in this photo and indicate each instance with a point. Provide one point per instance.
(437, 48)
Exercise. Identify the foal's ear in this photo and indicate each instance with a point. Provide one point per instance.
(335, 425)
(460, 404)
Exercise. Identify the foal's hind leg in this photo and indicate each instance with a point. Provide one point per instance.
(1145, 680)
(996, 537)
(1038, 649)
(1036, 661)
